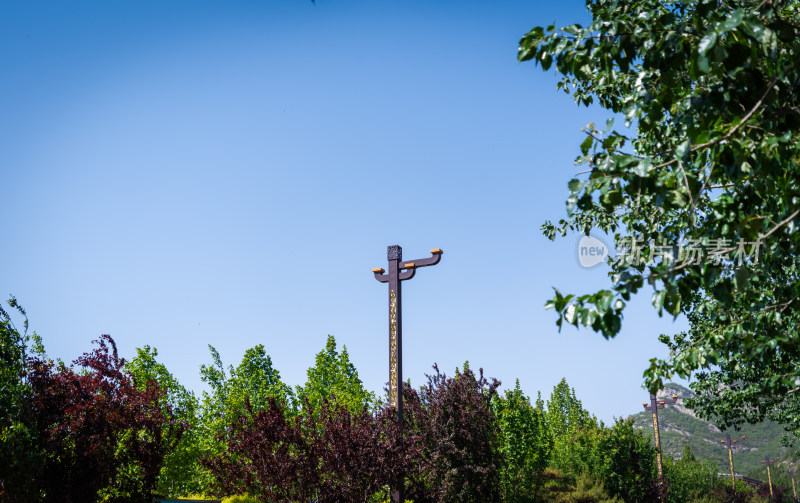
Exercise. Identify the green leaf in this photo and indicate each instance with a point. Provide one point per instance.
(588, 317)
(603, 301)
(642, 167)
(732, 21)
(586, 144)
(672, 303)
(612, 198)
(707, 43)
(658, 300)
(761, 33)
(678, 198)
(571, 315)
(682, 151)
(575, 185)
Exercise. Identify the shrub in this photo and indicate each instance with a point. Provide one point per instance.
(241, 498)
(452, 419)
(584, 488)
(688, 478)
(327, 455)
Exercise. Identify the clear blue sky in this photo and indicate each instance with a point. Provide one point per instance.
(188, 173)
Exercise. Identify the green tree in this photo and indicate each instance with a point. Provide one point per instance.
(254, 380)
(689, 478)
(182, 473)
(626, 460)
(524, 442)
(334, 377)
(566, 418)
(711, 90)
(20, 457)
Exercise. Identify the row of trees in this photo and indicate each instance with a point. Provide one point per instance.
(107, 429)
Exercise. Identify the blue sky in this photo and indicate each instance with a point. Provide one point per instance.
(182, 174)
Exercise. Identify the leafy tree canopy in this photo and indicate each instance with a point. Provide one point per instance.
(565, 417)
(181, 472)
(254, 381)
(703, 200)
(334, 377)
(20, 459)
(525, 443)
(254, 378)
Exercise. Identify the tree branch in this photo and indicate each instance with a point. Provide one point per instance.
(781, 224)
(730, 133)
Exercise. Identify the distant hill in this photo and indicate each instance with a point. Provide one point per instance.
(679, 426)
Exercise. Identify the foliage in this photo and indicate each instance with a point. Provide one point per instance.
(525, 444)
(582, 489)
(688, 478)
(779, 493)
(712, 90)
(359, 453)
(453, 419)
(334, 377)
(626, 462)
(254, 380)
(266, 456)
(724, 493)
(100, 434)
(20, 458)
(181, 473)
(244, 498)
(589, 489)
(330, 454)
(565, 418)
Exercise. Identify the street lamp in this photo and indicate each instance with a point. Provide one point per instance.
(398, 271)
(767, 462)
(655, 404)
(729, 444)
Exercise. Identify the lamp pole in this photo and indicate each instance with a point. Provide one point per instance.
(729, 444)
(655, 404)
(398, 271)
(767, 462)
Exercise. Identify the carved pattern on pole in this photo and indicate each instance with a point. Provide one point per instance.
(393, 378)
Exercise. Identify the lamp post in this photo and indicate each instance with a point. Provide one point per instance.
(767, 462)
(398, 271)
(729, 444)
(655, 404)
